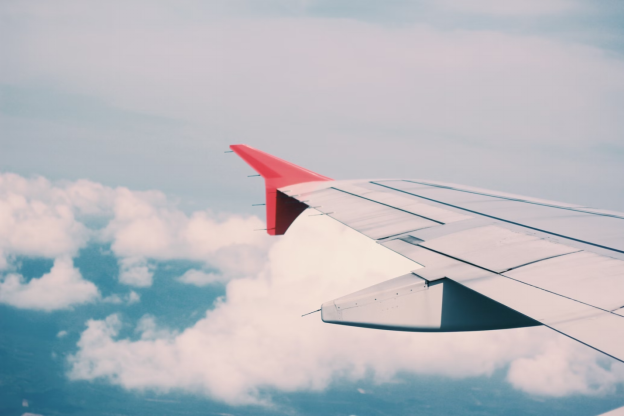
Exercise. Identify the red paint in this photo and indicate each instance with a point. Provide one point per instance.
(281, 209)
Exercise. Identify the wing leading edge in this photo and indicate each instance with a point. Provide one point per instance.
(491, 260)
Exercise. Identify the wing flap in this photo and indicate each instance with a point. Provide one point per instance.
(496, 248)
(596, 327)
(586, 277)
(409, 303)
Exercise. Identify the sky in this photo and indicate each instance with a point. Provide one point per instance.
(131, 278)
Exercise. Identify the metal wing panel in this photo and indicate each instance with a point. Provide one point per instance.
(496, 248)
(539, 304)
(383, 223)
(592, 326)
(405, 202)
(589, 278)
(372, 219)
(482, 241)
(522, 199)
(496, 194)
(402, 303)
(520, 253)
(445, 195)
(597, 230)
(606, 231)
(409, 303)
(463, 234)
(586, 277)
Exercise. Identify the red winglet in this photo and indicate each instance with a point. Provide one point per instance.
(277, 173)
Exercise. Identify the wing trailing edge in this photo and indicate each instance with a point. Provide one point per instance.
(281, 210)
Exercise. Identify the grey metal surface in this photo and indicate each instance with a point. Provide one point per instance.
(372, 219)
(597, 328)
(587, 277)
(408, 303)
(559, 264)
(496, 248)
(602, 230)
(403, 202)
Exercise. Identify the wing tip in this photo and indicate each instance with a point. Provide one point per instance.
(277, 173)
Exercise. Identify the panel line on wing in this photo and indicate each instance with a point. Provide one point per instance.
(537, 261)
(391, 237)
(513, 199)
(511, 278)
(371, 218)
(389, 206)
(502, 220)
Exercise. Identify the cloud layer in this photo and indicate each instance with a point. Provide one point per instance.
(41, 219)
(61, 288)
(37, 219)
(494, 108)
(254, 340)
(145, 226)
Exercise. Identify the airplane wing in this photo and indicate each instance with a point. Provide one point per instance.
(483, 260)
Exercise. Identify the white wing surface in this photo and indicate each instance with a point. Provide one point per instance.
(489, 260)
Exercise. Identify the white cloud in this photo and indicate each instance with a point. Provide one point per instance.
(130, 298)
(200, 278)
(563, 368)
(135, 272)
(89, 198)
(146, 226)
(318, 260)
(255, 340)
(61, 288)
(37, 219)
(61, 334)
(148, 329)
(615, 412)
(41, 219)
(133, 297)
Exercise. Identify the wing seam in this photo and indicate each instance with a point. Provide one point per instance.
(502, 220)
(516, 200)
(389, 206)
(540, 260)
(511, 278)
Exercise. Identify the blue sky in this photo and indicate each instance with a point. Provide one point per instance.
(130, 271)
